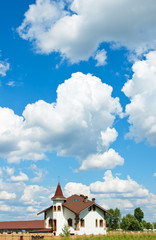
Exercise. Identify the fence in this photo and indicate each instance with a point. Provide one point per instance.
(27, 236)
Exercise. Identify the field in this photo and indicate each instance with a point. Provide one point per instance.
(109, 236)
(121, 236)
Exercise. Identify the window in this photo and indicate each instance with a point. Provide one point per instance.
(101, 223)
(70, 222)
(89, 209)
(94, 208)
(76, 200)
(50, 222)
(54, 208)
(59, 208)
(82, 222)
(96, 222)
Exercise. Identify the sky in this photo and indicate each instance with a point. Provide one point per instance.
(78, 97)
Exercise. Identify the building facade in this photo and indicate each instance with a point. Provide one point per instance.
(81, 215)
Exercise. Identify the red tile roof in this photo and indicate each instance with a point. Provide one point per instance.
(77, 204)
(58, 193)
(33, 224)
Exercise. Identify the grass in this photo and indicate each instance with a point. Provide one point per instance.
(118, 236)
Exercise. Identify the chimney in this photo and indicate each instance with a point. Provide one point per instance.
(86, 199)
(93, 199)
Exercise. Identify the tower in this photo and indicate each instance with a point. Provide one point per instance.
(58, 199)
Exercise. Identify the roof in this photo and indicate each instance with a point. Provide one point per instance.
(33, 224)
(58, 193)
(44, 230)
(44, 210)
(77, 204)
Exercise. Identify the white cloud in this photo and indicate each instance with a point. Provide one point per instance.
(79, 124)
(38, 172)
(107, 137)
(106, 160)
(4, 208)
(32, 209)
(76, 188)
(33, 194)
(141, 92)
(77, 32)
(1, 173)
(28, 197)
(154, 174)
(10, 171)
(4, 67)
(6, 195)
(101, 57)
(20, 178)
(11, 83)
(116, 185)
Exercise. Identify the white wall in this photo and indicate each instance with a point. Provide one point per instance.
(88, 216)
(49, 215)
(90, 226)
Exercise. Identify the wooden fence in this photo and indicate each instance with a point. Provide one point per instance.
(27, 236)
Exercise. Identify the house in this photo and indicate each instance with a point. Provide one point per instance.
(80, 214)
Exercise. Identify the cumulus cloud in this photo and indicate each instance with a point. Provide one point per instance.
(4, 67)
(106, 160)
(20, 178)
(79, 124)
(101, 57)
(116, 185)
(21, 200)
(76, 28)
(141, 91)
(6, 195)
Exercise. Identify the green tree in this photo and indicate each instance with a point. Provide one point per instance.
(116, 219)
(125, 223)
(144, 224)
(109, 218)
(130, 223)
(149, 225)
(138, 214)
(134, 225)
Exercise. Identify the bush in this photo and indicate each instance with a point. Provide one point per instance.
(65, 231)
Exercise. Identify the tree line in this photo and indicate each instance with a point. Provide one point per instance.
(129, 222)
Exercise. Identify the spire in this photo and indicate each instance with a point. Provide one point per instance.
(58, 193)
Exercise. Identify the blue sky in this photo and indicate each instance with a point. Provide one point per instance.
(78, 96)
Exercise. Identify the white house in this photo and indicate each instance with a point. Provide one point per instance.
(80, 214)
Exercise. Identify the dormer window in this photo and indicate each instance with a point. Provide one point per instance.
(76, 200)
